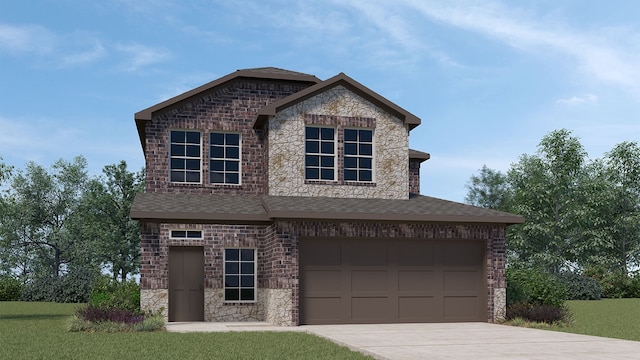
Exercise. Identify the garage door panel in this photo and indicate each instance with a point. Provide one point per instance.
(461, 280)
(362, 253)
(322, 281)
(369, 309)
(324, 310)
(460, 308)
(415, 253)
(415, 280)
(416, 309)
(463, 253)
(325, 253)
(375, 280)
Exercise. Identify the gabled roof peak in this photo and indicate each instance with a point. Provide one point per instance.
(341, 79)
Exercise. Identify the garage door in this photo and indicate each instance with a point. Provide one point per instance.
(355, 281)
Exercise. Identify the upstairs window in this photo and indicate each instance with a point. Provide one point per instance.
(184, 156)
(239, 275)
(320, 153)
(224, 163)
(358, 155)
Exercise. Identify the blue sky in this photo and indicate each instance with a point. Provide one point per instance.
(488, 78)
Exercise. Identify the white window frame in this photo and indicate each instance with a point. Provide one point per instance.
(173, 235)
(240, 287)
(358, 156)
(225, 159)
(319, 154)
(185, 158)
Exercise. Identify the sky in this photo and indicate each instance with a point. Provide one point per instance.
(488, 78)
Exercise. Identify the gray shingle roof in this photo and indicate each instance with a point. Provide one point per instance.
(236, 208)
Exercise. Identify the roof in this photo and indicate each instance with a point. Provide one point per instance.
(242, 208)
(419, 155)
(271, 73)
(341, 79)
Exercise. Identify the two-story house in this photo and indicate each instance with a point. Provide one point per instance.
(272, 195)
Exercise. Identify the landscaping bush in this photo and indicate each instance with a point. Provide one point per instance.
(100, 319)
(580, 287)
(72, 287)
(534, 287)
(108, 293)
(617, 284)
(10, 288)
(548, 314)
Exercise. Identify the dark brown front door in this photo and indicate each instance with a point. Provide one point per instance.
(186, 283)
(391, 281)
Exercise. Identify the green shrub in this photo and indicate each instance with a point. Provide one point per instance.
(580, 287)
(534, 287)
(109, 293)
(72, 287)
(10, 288)
(547, 314)
(151, 322)
(616, 284)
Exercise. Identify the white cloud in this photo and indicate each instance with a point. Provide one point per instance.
(604, 55)
(578, 100)
(24, 39)
(138, 56)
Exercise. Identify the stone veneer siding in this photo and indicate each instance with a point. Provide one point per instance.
(229, 108)
(340, 108)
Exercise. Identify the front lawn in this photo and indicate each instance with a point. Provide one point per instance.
(39, 330)
(613, 318)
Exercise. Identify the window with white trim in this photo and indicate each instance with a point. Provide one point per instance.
(239, 275)
(186, 234)
(320, 153)
(358, 155)
(184, 156)
(224, 162)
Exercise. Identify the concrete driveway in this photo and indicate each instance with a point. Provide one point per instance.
(465, 341)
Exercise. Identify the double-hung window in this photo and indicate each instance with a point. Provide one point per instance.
(185, 150)
(358, 155)
(320, 153)
(239, 274)
(224, 163)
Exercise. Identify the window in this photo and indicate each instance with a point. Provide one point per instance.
(320, 153)
(185, 156)
(186, 234)
(239, 275)
(224, 165)
(358, 155)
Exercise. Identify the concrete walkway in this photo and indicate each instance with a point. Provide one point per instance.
(449, 341)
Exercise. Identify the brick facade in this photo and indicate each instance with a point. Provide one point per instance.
(231, 108)
(278, 258)
(414, 176)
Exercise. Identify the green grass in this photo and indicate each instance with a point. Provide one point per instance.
(613, 318)
(39, 331)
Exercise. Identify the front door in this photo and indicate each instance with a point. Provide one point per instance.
(186, 283)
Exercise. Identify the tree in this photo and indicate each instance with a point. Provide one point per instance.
(622, 167)
(41, 229)
(490, 189)
(107, 204)
(547, 193)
